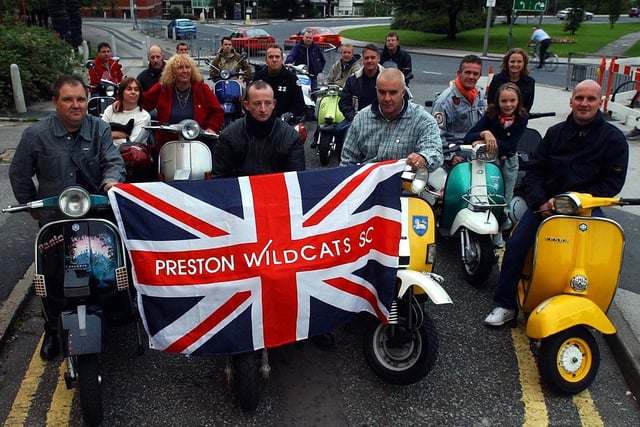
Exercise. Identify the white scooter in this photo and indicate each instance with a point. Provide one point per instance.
(304, 81)
(185, 159)
(468, 199)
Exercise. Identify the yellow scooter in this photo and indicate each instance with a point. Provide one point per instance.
(567, 285)
(404, 350)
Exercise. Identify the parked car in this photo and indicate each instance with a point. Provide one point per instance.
(251, 39)
(564, 14)
(634, 11)
(320, 35)
(185, 29)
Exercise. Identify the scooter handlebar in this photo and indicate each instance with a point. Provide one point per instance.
(543, 114)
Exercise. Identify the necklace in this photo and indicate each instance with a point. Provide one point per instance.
(183, 97)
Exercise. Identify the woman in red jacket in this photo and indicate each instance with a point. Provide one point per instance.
(181, 94)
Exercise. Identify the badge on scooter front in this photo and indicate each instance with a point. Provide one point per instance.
(420, 224)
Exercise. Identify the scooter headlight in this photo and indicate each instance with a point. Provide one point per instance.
(110, 90)
(579, 283)
(566, 204)
(224, 74)
(483, 154)
(190, 129)
(74, 202)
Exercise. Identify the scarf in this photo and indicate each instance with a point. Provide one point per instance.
(257, 128)
(506, 121)
(469, 95)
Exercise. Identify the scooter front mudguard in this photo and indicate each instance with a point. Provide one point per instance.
(562, 312)
(479, 222)
(81, 333)
(427, 282)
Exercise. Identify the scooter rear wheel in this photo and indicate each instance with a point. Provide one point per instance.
(89, 388)
(324, 148)
(569, 360)
(398, 355)
(246, 380)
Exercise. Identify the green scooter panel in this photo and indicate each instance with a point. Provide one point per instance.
(457, 185)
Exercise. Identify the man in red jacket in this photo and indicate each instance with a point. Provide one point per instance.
(104, 67)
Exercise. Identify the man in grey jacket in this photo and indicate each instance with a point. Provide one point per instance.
(64, 149)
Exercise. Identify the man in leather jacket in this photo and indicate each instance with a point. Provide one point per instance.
(392, 52)
(284, 84)
(359, 91)
(67, 148)
(259, 142)
(585, 154)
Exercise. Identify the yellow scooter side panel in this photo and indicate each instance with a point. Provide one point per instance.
(567, 247)
(418, 233)
(563, 312)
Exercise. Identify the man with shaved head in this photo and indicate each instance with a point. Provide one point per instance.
(584, 153)
(151, 75)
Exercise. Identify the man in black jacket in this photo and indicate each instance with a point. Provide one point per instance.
(258, 143)
(284, 83)
(392, 52)
(151, 75)
(359, 91)
(584, 154)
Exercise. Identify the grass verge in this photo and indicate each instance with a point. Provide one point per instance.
(589, 38)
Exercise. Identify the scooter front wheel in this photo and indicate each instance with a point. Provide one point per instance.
(324, 148)
(246, 380)
(478, 260)
(89, 389)
(569, 360)
(399, 355)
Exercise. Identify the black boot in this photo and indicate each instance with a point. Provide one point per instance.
(50, 346)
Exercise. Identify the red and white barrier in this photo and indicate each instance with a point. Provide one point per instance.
(619, 105)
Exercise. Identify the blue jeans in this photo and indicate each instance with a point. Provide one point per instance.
(517, 247)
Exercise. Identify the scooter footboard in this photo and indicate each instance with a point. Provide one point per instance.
(81, 333)
(563, 312)
(428, 283)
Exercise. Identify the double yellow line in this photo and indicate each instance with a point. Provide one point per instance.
(535, 408)
(59, 412)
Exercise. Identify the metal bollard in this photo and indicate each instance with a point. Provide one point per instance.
(18, 94)
(85, 51)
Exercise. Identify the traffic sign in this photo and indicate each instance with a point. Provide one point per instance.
(529, 5)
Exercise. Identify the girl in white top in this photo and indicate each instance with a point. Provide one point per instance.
(127, 118)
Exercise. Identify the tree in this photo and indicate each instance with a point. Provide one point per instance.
(614, 9)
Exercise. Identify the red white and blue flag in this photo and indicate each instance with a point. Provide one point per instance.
(233, 265)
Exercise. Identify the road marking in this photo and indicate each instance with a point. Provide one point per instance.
(59, 412)
(587, 410)
(27, 391)
(432, 72)
(535, 408)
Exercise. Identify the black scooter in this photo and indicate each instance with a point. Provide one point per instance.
(81, 268)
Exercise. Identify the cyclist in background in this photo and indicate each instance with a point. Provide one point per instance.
(541, 38)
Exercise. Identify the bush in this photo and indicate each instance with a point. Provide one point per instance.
(41, 56)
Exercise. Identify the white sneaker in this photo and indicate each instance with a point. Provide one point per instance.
(497, 240)
(499, 316)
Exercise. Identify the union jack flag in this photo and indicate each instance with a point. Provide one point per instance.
(233, 265)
